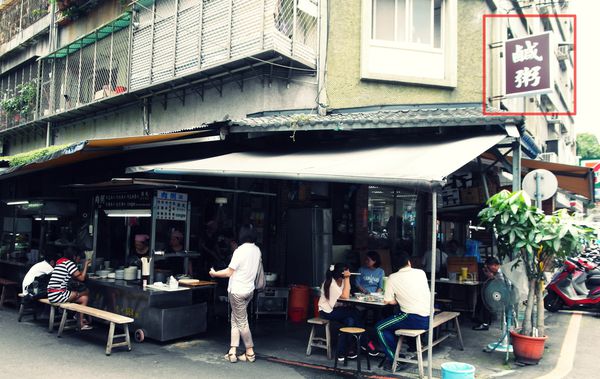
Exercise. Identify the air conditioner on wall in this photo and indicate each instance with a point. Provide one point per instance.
(549, 157)
(562, 52)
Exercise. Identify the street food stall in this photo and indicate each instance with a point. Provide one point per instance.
(161, 311)
(32, 227)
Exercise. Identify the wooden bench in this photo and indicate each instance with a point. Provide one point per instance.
(52, 317)
(8, 286)
(26, 308)
(438, 320)
(113, 318)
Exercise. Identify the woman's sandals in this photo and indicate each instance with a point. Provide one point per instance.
(232, 358)
(247, 357)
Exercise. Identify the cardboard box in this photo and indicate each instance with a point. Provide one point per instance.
(450, 197)
(473, 195)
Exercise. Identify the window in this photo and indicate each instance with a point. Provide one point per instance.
(392, 220)
(412, 21)
(409, 40)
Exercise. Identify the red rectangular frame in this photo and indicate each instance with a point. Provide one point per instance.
(484, 87)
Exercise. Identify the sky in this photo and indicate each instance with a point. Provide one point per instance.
(588, 62)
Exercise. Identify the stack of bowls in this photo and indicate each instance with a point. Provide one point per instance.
(119, 274)
(130, 273)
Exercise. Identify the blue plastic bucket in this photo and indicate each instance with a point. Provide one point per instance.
(457, 370)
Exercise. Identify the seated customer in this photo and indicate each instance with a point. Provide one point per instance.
(44, 267)
(408, 288)
(337, 286)
(371, 275)
(490, 271)
(64, 270)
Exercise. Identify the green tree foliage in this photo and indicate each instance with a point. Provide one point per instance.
(524, 232)
(587, 146)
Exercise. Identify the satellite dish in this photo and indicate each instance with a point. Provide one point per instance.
(547, 184)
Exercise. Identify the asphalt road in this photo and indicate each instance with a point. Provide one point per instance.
(585, 364)
(27, 350)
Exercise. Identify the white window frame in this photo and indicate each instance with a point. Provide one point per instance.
(447, 52)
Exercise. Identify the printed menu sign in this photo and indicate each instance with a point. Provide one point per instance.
(171, 206)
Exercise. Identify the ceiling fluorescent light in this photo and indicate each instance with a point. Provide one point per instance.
(17, 202)
(47, 218)
(128, 212)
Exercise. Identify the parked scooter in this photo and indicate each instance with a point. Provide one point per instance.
(576, 285)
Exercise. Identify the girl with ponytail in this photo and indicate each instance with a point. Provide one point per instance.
(337, 286)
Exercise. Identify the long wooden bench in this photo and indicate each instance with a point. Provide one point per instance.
(438, 320)
(53, 308)
(113, 318)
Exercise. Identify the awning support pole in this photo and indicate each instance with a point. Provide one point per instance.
(432, 285)
(516, 165)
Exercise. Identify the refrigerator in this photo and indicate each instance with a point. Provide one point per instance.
(309, 244)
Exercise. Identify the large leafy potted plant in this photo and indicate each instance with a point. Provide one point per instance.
(535, 240)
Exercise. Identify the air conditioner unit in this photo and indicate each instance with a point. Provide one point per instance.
(562, 52)
(543, 9)
(549, 157)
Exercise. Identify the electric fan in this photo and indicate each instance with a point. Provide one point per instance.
(501, 298)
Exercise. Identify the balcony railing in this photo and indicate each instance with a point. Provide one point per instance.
(176, 38)
(92, 68)
(18, 15)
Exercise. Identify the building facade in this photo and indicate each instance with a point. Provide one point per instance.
(104, 69)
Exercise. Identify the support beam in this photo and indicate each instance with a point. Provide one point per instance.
(502, 159)
(516, 165)
(432, 283)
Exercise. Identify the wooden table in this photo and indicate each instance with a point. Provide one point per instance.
(472, 287)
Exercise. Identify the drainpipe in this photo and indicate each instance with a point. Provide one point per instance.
(49, 141)
(53, 32)
(322, 57)
(146, 113)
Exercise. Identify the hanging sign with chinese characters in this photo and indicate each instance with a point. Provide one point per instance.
(527, 65)
(171, 206)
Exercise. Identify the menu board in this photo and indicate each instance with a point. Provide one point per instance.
(171, 206)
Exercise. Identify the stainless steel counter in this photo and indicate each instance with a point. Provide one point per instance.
(160, 315)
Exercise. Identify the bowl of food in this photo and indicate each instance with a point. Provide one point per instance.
(360, 296)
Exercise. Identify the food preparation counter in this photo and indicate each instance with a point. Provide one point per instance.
(159, 314)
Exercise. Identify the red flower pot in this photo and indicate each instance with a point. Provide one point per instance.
(527, 349)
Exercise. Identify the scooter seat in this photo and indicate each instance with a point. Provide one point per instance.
(592, 281)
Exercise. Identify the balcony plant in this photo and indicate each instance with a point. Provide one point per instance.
(69, 10)
(22, 102)
(535, 240)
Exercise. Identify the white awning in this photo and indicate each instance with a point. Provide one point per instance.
(419, 165)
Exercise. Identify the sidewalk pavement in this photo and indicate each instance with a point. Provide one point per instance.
(280, 346)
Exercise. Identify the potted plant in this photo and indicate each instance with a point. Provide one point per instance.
(535, 240)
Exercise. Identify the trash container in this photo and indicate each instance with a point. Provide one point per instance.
(457, 370)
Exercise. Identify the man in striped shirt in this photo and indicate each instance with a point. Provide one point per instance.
(57, 286)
